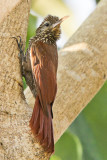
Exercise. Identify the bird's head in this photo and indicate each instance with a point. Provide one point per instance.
(49, 31)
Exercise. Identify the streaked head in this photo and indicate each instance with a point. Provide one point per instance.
(50, 27)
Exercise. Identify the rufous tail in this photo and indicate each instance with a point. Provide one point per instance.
(41, 126)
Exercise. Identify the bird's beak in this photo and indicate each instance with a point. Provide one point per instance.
(57, 24)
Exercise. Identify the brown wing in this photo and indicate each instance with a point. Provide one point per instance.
(44, 62)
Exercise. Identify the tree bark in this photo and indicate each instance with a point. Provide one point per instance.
(81, 73)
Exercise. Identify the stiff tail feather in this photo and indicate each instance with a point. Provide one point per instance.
(41, 126)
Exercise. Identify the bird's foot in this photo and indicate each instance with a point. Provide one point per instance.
(21, 55)
(20, 48)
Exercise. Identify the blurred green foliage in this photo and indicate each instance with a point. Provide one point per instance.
(54, 157)
(97, 1)
(24, 83)
(68, 147)
(31, 28)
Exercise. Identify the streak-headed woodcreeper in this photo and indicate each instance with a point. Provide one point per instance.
(40, 71)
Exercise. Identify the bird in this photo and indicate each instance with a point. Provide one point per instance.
(39, 66)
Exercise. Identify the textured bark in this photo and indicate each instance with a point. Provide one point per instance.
(82, 72)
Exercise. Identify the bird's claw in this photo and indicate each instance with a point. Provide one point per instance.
(19, 55)
(20, 46)
(19, 42)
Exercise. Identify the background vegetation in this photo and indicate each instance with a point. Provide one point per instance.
(86, 138)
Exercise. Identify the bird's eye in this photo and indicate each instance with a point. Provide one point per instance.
(47, 24)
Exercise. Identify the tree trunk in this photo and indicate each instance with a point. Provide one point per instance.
(82, 72)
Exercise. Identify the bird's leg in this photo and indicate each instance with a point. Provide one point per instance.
(21, 55)
(25, 65)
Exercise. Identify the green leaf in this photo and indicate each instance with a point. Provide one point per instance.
(97, 1)
(91, 127)
(54, 157)
(68, 147)
(24, 83)
(31, 28)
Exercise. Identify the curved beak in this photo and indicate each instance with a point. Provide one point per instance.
(59, 22)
